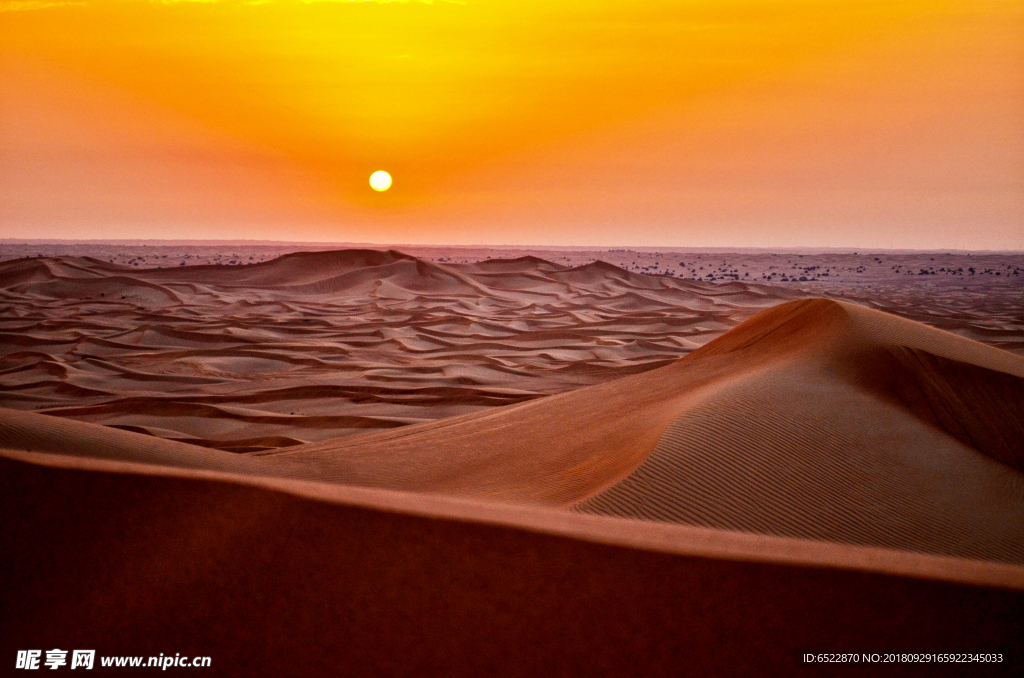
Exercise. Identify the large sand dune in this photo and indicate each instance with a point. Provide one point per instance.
(814, 419)
(856, 428)
(781, 487)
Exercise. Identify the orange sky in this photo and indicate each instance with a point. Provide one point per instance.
(687, 123)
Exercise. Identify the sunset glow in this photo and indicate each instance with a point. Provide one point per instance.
(736, 122)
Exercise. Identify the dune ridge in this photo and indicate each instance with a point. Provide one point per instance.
(674, 538)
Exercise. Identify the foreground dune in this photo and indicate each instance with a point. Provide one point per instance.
(281, 578)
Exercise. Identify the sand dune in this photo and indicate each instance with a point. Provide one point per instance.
(839, 445)
(790, 424)
(315, 345)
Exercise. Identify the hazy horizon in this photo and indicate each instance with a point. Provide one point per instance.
(159, 242)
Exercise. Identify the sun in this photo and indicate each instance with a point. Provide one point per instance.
(380, 180)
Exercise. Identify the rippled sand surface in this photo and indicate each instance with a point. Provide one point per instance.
(315, 345)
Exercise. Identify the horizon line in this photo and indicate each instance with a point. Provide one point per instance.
(608, 248)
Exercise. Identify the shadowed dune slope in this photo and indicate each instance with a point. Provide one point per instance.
(142, 564)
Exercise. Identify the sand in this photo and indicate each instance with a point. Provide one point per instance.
(312, 346)
(800, 474)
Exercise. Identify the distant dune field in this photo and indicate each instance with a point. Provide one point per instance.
(569, 470)
(316, 345)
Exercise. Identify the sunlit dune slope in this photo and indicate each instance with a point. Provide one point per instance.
(854, 427)
(564, 448)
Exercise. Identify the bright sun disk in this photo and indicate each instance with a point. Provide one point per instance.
(380, 180)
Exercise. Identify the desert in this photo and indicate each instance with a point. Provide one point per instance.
(494, 451)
